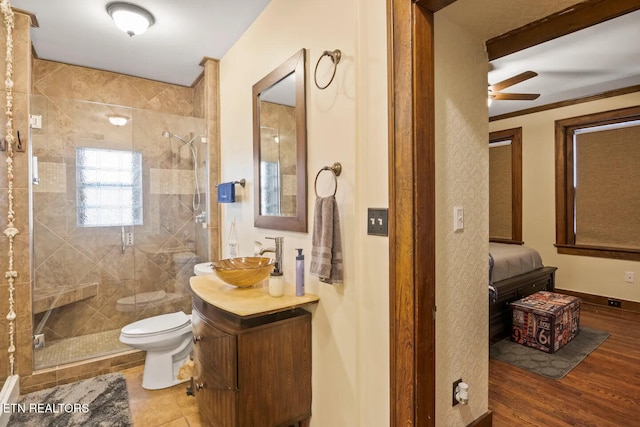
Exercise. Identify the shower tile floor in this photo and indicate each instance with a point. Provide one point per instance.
(74, 349)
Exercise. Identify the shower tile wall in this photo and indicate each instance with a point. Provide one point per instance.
(282, 120)
(82, 278)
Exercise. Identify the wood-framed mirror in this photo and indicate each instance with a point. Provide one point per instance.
(505, 186)
(280, 147)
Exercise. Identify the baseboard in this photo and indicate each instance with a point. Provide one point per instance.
(602, 300)
(485, 420)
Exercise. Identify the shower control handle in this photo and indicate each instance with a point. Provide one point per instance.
(122, 240)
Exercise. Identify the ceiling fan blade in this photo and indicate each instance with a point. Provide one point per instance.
(513, 80)
(514, 96)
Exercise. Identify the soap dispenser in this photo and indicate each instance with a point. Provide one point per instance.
(276, 284)
(299, 273)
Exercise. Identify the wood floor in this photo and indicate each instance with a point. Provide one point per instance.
(602, 391)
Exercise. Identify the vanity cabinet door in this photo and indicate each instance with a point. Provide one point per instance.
(217, 350)
(217, 407)
(274, 373)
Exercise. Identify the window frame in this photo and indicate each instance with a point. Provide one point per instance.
(515, 135)
(565, 234)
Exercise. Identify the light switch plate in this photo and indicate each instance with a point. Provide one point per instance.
(378, 221)
(458, 218)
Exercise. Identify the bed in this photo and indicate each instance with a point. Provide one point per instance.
(515, 271)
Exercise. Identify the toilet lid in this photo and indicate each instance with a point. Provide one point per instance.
(157, 324)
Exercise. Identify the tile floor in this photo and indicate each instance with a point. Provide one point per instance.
(170, 407)
(70, 350)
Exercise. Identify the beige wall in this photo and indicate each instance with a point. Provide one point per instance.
(597, 276)
(462, 176)
(345, 123)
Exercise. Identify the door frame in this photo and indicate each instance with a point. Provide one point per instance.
(412, 211)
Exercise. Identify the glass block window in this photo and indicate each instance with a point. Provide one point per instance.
(270, 194)
(108, 187)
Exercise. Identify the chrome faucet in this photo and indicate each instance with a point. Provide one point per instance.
(277, 250)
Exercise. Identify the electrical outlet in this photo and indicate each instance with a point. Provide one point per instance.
(614, 303)
(454, 401)
(378, 221)
(630, 276)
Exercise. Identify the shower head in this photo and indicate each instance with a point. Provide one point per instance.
(168, 134)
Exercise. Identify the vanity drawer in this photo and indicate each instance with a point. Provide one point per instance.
(217, 350)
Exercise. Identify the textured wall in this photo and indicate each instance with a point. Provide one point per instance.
(462, 165)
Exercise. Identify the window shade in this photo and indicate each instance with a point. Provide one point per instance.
(607, 185)
(500, 192)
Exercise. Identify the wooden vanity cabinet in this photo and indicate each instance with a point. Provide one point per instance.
(252, 371)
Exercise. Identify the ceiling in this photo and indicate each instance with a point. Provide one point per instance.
(81, 32)
(587, 62)
(584, 63)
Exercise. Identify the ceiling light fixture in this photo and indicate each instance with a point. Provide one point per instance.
(130, 18)
(118, 120)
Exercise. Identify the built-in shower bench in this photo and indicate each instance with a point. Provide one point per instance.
(49, 298)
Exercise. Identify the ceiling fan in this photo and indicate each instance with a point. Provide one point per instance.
(494, 89)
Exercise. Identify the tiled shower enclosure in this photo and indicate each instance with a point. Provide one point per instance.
(118, 214)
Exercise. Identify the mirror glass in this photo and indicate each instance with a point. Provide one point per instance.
(279, 144)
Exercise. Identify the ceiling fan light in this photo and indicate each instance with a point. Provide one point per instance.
(130, 18)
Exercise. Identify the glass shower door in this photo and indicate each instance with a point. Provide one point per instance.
(86, 205)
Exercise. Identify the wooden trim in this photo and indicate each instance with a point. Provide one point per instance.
(599, 252)
(515, 135)
(565, 238)
(434, 5)
(567, 103)
(411, 214)
(602, 300)
(485, 420)
(424, 232)
(32, 16)
(574, 18)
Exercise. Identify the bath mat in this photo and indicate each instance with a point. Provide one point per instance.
(556, 365)
(102, 401)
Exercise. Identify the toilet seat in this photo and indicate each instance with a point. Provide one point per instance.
(156, 325)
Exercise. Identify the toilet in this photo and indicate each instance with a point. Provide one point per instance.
(168, 341)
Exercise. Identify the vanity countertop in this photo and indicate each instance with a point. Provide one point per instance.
(246, 302)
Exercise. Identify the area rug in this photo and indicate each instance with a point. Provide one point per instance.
(555, 365)
(102, 401)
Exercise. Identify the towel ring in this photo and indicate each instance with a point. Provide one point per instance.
(335, 58)
(336, 169)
